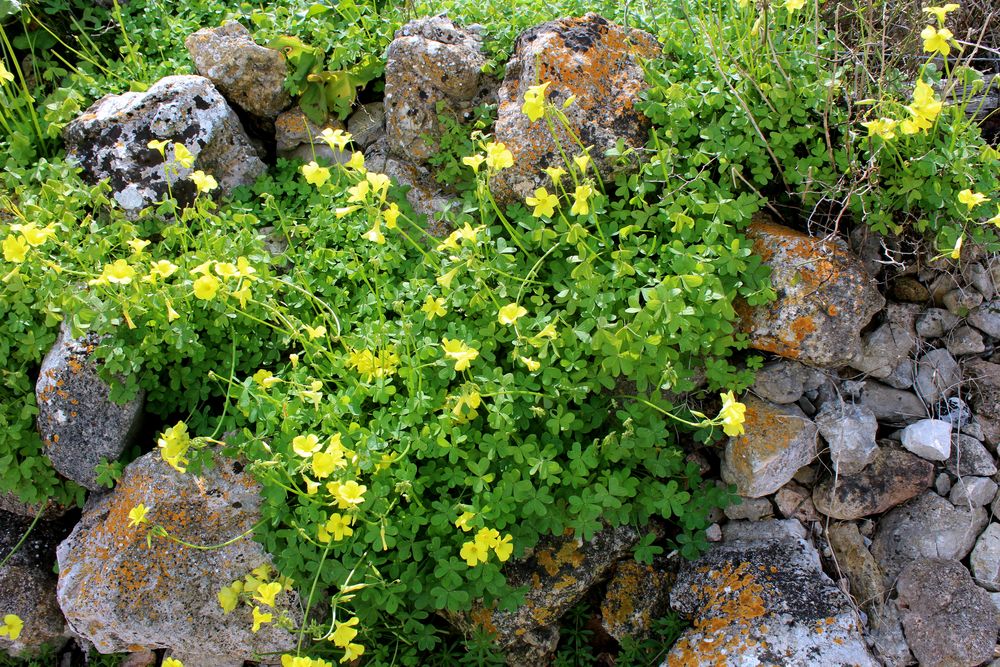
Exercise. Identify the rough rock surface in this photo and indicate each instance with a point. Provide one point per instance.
(297, 137)
(856, 563)
(885, 630)
(892, 406)
(761, 597)
(367, 124)
(929, 439)
(935, 322)
(589, 58)
(425, 194)
(926, 527)
(752, 509)
(974, 491)
(948, 620)
(636, 595)
(893, 478)
(27, 584)
(250, 76)
(986, 318)
(77, 421)
(883, 349)
(110, 141)
(985, 558)
(938, 375)
(970, 457)
(850, 431)
(783, 381)
(430, 61)
(120, 594)
(777, 441)
(825, 298)
(983, 378)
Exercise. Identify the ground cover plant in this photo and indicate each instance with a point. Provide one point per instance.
(421, 410)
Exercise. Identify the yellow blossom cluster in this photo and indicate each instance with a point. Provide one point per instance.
(478, 550)
(16, 247)
(256, 589)
(923, 110)
(174, 443)
(369, 365)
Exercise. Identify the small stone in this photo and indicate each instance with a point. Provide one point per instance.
(974, 491)
(929, 439)
(889, 344)
(970, 457)
(953, 410)
(297, 137)
(938, 375)
(983, 381)
(935, 322)
(961, 301)
(986, 318)
(636, 595)
(892, 406)
(850, 431)
(985, 558)
(855, 561)
(942, 484)
(143, 658)
(714, 533)
(965, 340)
(885, 630)
(794, 502)
(367, 124)
(979, 277)
(784, 381)
(907, 288)
(893, 478)
(902, 375)
(805, 475)
(750, 509)
(948, 620)
(778, 440)
(942, 283)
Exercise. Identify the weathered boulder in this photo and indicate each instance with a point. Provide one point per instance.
(948, 620)
(598, 64)
(251, 77)
(431, 63)
(783, 381)
(636, 595)
(777, 441)
(938, 375)
(28, 585)
(119, 593)
(761, 597)
(892, 406)
(78, 422)
(926, 527)
(850, 431)
(825, 297)
(425, 195)
(985, 558)
(884, 348)
(892, 478)
(111, 141)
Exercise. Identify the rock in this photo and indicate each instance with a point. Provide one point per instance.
(985, 558)
(557, 575)
(425, 194)
(714, 533)
(27, 584)
(596, 62)
(948, 620)
(891, 406)
(636, 595)
(120, 594)
(883, 349)
(907, 288)
(983, 380)
(979, 277)
(960, 301)
(935, 322)
(298, 138)
(942, 283)
(926, 527)
(955, 411)
(143, 658)
(853, 559)
(249, 76)
(850, 431)
(974, 491)
(965, 340)
(9, 502)
(77, 421)
(778, 440)
(825, 298)
(885, 630)
(432, 67)
(367, 124)
(761, 597)
(110, 141)
(929, 439)
(893, 478)
(970, 457)
(902, 375)
(938, 375)
(942, 484)
(783, 381)
(986, 318)
(793, 502)
(752, 509)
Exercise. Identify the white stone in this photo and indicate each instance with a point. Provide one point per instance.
(985, 560)
(929, 439)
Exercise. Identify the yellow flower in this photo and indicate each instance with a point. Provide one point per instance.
(581, 161)
(391, 215)
(732, 414)
(266, 592)
(350, 494)
(171, 662)
(206, 287)
(265, 378)
(183, 156)
(434, 307)
(504, 548)
(359, 191)
(914, 125)
(171, 313)
(335, 139)
(324, 463)
(159, 146)
(226, 270)
(357, 162)
(555, 173)
(339, 526)
(474, 161)
(925, 104)
(459, 352)
(463, 521)
(315, 332)
(544, 203)
(5, 75)
(174, 443)
(534, 101)
(794, 5)
(995, 220)
(972, 199)
(510, 313)
(488, 537)
(34, 235)
(259, 619)
(137, 515)
(882, 127)
(344, 632)
(956, 252)
(379, 182)
(305, 445)
(498, 157)
(474, 553)
(203, 268)
(581, 201)
(936, 41)
(445, 280)
(940, 12)
(315, 174)
(531, 364)
(11, 627)
(203, 182)
(352, 652)
(15, 248)
(345, 211)
(375, 234)
(244, 267)
(228, 598)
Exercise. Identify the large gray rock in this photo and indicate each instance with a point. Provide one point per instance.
(965, 340)
(970, 457)
(938, 375)
(777, 441)
(761, 597)
(893, 478)
(985, 558)
(973, 491)
(250, 76)
(825, 297)
(926, 527)
(77, 421)
(119, 593)
(752, 509)
(597, 62)
(431, 62)
(425, 195)
(883, 349)
(892, 406)
(885, 631)
(929, 439)
(986, 318)
(948, 620)
(850, 431)
(110, 141)
(783, 381)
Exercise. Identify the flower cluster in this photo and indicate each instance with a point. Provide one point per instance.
(343, 636)
(923, 110)
(174, 443)
(478, 550)
(939, 39)
(15, 248)
(255, 589)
